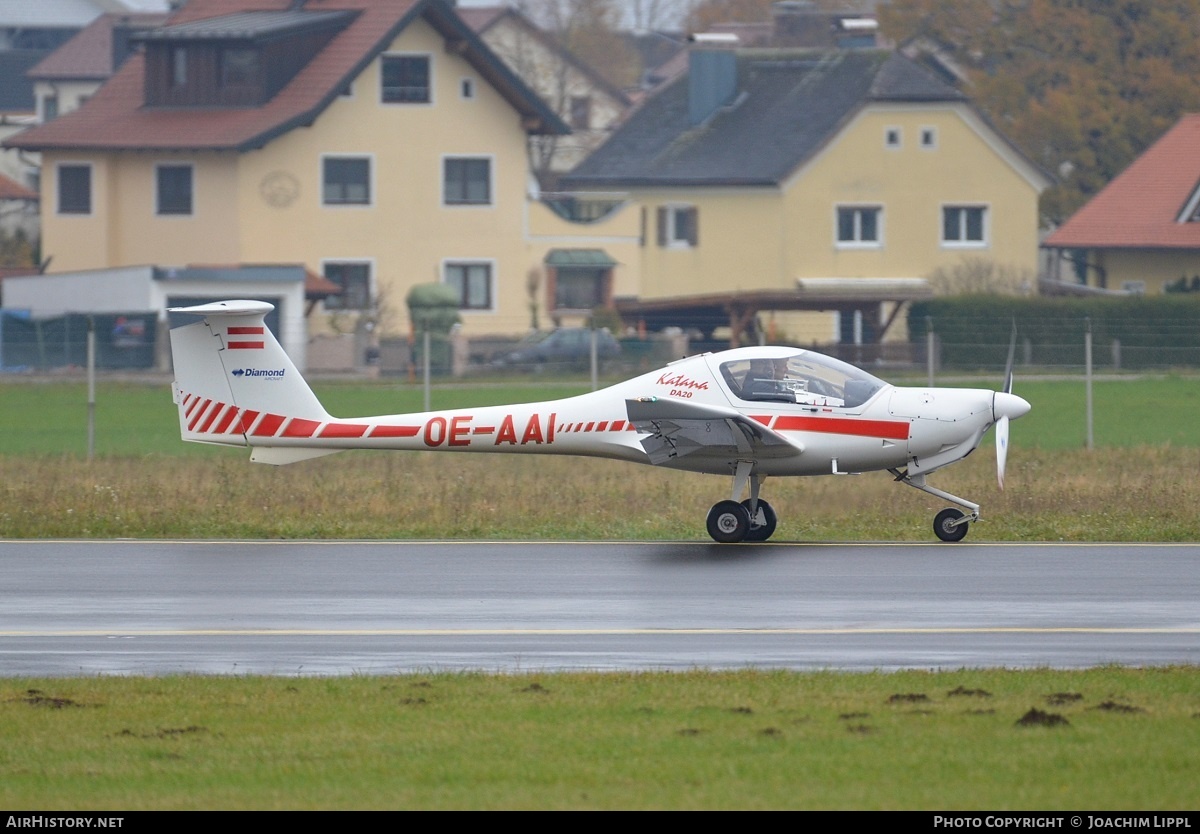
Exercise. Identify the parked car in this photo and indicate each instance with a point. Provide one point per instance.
(564, 346)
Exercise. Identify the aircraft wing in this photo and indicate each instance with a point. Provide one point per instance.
(678, 428)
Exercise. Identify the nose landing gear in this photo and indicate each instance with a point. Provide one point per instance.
(950, 525)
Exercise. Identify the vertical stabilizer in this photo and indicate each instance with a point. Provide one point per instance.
(233, 381)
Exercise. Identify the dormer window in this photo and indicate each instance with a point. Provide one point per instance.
(235, 60)
(239, 67)
(179, 64)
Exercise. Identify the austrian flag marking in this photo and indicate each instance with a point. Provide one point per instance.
(243, 343)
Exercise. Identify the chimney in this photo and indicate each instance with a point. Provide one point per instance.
(712, 75)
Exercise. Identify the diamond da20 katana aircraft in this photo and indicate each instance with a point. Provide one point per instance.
(748, 413)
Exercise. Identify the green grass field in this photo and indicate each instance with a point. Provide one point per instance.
(50, 418)
(1101, 739)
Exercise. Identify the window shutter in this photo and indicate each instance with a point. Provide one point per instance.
(693, 217)
(662, 225)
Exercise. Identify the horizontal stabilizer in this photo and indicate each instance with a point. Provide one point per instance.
(283, 455)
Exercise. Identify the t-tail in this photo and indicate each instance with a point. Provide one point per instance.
(234, 383)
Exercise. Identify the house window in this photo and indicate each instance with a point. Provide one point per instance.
(468, 88)
(354, 278)
(891, 138)
(580, 288)
(472, 282)
(678, 226)
(405, 79)
(239, 67)
(928, 137)
(858, 225)
(581, 112)
(964, 225)
(346, 181)
(174, 187)
(74, 189)
(179, 66)
(466, 181)
(49, 108)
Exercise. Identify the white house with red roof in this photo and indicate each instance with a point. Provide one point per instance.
(1141, 233)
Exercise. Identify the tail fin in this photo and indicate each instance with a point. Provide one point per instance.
(235, 385)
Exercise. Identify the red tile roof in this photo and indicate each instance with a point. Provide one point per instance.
(89, 54)
(10, 189)
(1140, 209)
(115, 118)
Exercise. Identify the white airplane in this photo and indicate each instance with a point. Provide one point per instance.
(750, 413)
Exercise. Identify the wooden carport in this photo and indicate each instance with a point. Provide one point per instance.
(738, 310)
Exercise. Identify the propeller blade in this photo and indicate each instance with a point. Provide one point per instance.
(1008, 368)
(1001, 449)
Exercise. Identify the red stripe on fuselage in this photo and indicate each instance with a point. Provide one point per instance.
(395, 431)
(245, 345)
(245, 331)
(299, 427)
(890, 429)
(344, 430)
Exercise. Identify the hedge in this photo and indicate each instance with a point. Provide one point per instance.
(973, 332)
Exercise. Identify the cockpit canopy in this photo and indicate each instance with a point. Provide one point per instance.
(803, 377)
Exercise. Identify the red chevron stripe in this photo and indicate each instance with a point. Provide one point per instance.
(248, 418)
(269, 425)
(199, 414)
(227, 420)
(212, 415)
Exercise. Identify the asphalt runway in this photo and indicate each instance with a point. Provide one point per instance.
(335, 608)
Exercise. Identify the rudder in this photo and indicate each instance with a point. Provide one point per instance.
(233, 380)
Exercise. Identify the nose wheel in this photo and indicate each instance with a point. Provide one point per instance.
(950, 525)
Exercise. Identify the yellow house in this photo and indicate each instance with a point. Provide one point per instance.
(378, 142)
(785, 179)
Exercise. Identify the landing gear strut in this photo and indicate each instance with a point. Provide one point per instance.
(751, 520)
(950, 525)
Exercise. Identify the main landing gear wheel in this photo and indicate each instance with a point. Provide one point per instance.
(728, 522)
(945, 528)
(760, 532)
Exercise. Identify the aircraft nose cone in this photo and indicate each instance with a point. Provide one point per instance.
(1009, 405)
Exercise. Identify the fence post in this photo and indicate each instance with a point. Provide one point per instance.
(1116, 354)
(91, 378)
(930, 340)
(593, 361)
(1087, 362)
(425, 366)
